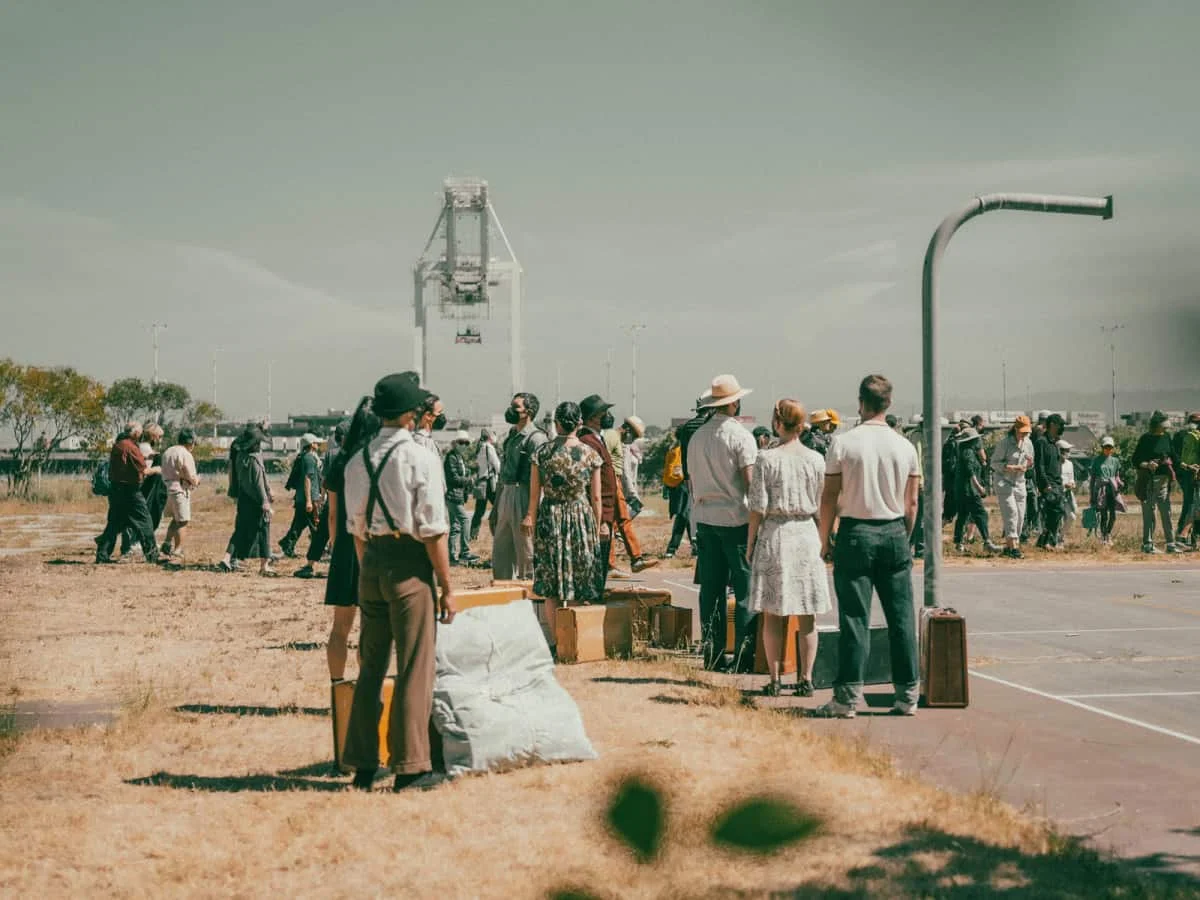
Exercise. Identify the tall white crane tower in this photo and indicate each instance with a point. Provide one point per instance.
(465, 272)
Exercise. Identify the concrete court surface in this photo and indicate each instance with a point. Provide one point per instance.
(1085, 700)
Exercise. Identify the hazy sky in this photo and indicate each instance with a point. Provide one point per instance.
(756, 181)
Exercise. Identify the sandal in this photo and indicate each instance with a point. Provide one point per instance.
(804, 688)
(771, 689)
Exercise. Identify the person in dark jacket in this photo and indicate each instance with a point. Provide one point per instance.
(252, 525)
(459, 483)
(126, 503)
(1155, 473)
(1047, 464)
(969, 485)
(305, 480)
(154, 489)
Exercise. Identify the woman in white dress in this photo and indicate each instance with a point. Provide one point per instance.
(787, 574)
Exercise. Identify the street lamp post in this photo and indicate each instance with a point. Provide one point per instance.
(216, 350)
(154, 328)
(1101, 207)
(1111, 331)
(633, 334)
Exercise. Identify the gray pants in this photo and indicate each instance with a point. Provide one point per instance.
(1158, 497)
(1012, 508)
(512, 550)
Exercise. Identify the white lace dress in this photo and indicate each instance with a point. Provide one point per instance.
(787, 576)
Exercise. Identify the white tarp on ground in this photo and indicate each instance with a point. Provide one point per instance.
(496, 699)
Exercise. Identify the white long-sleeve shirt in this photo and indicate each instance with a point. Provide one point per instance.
(411, 485)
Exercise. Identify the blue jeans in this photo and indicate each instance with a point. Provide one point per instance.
(460, 530)
(874, 555)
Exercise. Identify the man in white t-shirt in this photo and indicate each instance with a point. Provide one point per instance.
(179, 475)
(872, 483)
(721, 456)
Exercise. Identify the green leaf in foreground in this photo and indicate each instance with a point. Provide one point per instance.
(638, 817)
(764, 825)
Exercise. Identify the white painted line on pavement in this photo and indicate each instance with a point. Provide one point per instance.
(1088, 630)
(1178, 735)
(1118, 696)
(686, 587)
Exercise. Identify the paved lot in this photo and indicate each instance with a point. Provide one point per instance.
(1085, 701)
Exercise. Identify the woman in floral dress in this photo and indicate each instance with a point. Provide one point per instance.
(564, 507)
(787, 575)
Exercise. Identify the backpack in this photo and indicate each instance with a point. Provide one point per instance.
(101, 483)
(295, 478)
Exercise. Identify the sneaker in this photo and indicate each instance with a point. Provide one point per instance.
(833, 710)
(226, 566)
(991, 548)
(1173, 548)
(641, 564)
(1150, 548)
(670, 554)
(903, 708)
(961, 548)
(618, 573)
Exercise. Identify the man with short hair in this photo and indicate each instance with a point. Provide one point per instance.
(126, 504)
(1188, 483)
(1155, 473)
(1047, 464)
(872, 481)
(179, 475)
(512, 549)
(432, 418)
(396, 510)
(487, 475)
(721, 457)
(305, 480)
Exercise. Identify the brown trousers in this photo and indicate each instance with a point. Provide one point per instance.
(396, 598)
(623, 527)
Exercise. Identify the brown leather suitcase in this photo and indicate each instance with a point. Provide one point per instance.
(789, 648)
(671, 627)
(642, 601)
(944, 680)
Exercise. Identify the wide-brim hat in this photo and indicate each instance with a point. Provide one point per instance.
(723, 391)
(1158, 417)
(397, 394)
(817, 416)
(308, 439)
(592, 406)
(462, 436)
(1064, 445)
(636, 425)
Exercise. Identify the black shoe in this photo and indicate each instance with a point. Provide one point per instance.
(404, 782)
(289, 550)
(103, 560)
(305, 572)
(165, 549)
(364, 779)
(804, 688)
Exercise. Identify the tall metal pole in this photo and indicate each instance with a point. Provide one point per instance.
(270, 373)
(154, 327)
(608, 376)
(633, 334)
(1086, 206)
(216, 350)
(1111, 331)
(557, 384)
(1004, 387)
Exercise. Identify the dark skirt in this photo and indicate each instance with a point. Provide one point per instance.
(251, 530)
(341, 587)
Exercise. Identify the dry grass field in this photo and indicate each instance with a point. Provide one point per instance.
(206, 768)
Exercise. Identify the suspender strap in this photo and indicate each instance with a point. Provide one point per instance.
(375, 496)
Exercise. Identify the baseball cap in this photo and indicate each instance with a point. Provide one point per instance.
(1108, 442)
(1064, 445)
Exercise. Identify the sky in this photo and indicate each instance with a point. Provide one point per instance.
(755, 182)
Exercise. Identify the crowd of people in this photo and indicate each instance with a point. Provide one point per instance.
(763, 511)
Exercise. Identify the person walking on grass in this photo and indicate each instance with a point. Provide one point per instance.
(127, 509)
(872, 481)
(252, 524)
(1106, 486)
(678, 502)
(1070, 506)
(1185, 448)
(179, 476)
(1155, 475)
(1012, 457)
(968, 480)
(564, 512)
(459, 483)
(512, 551)
(305, 481)
(153, 487)
(341, 586)
(721, 456)
(1048, 468)
(783, 546)
(396, 510)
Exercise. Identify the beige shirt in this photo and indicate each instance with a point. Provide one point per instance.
(411, 485)
(717, 453)
(875, 464)
(179, 470)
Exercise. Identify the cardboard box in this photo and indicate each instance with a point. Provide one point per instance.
(642, 600)
(671, 627)
(580, 633)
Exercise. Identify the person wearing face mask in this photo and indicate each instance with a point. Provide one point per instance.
(512, 549)
(721, 456)
(1106, 487)
(1188, 483)
(1155, 474)
(432, 418)
(460, 481)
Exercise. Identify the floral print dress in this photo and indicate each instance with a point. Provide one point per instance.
(566, 539)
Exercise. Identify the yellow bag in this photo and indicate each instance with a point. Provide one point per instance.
(673, 467)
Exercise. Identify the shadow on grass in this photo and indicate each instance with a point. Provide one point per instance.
(211, 710)
(671, 701)
(298, 645)
(236, 784)
(67, 562)
(930, 863)
(612, 679)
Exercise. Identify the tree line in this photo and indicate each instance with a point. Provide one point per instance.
(47, 407)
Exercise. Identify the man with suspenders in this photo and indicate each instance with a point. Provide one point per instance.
(395, 499)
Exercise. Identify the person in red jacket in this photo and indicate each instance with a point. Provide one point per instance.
(126, 504)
